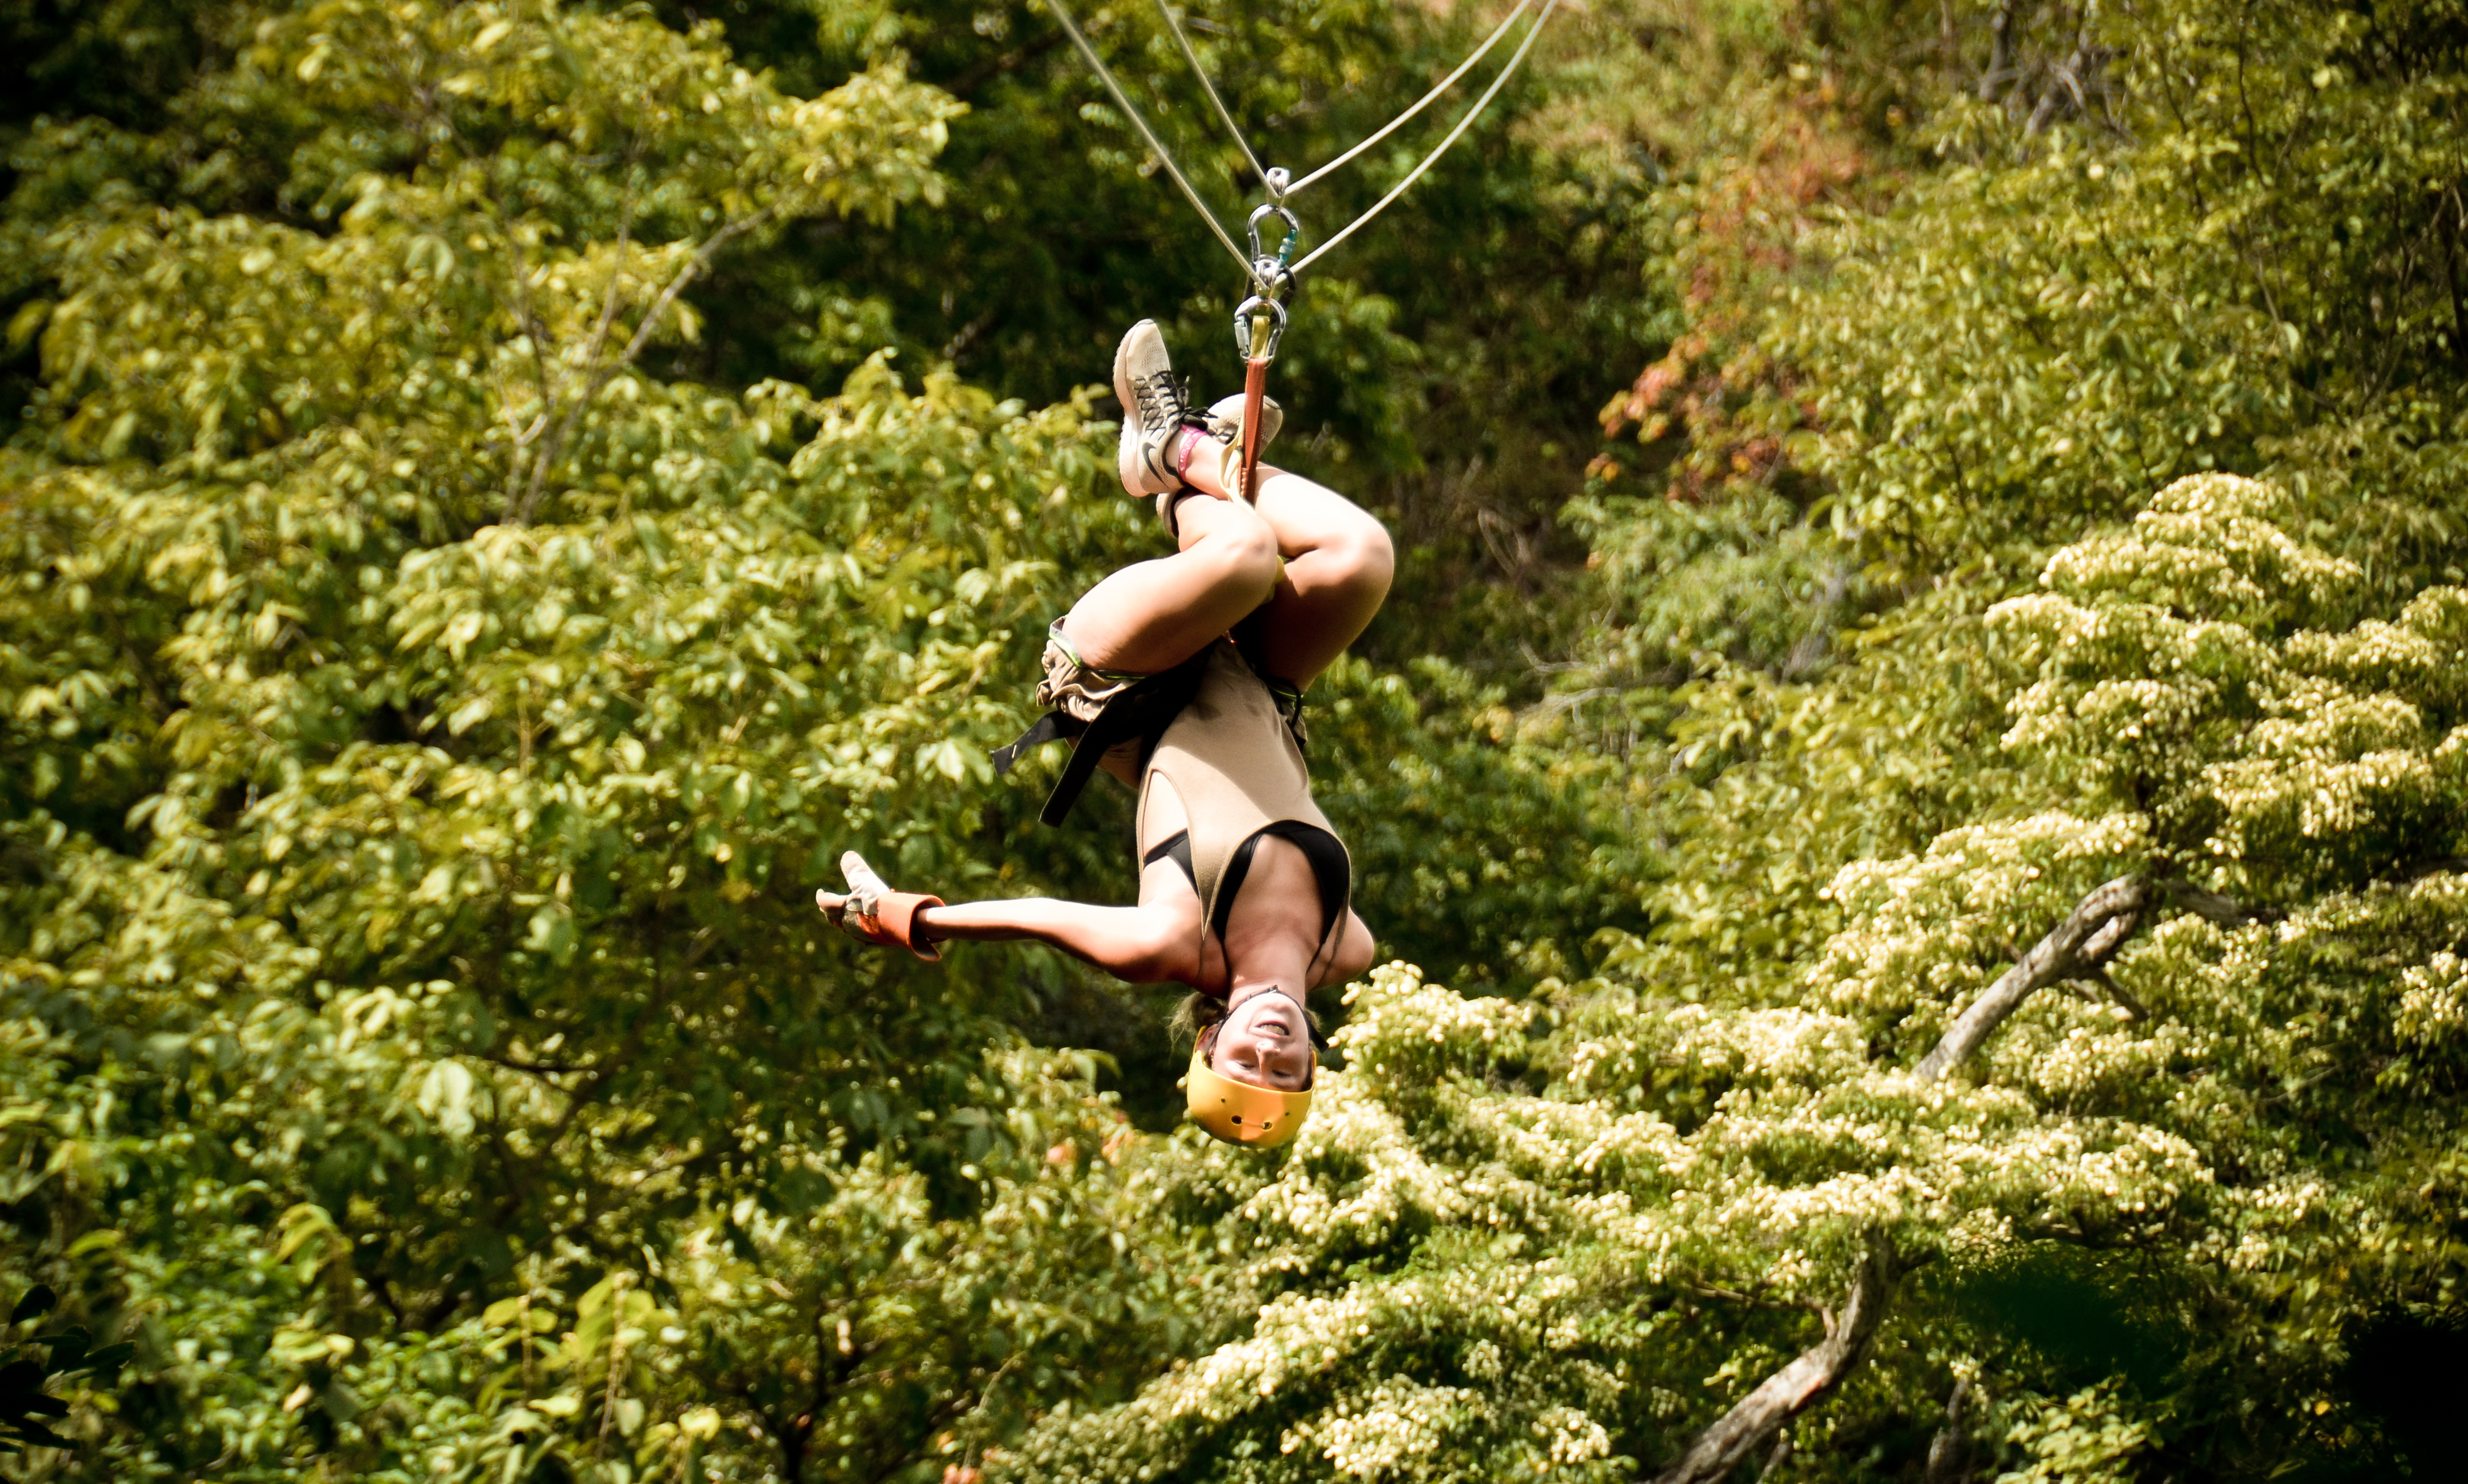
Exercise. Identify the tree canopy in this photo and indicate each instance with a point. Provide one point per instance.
(1919, 749)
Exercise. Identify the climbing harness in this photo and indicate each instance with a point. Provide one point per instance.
(1260, 320)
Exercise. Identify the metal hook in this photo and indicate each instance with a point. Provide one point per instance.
(1249, 309)
(1269, 275)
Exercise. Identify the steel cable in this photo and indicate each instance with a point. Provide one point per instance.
(1106, 75)
(1428, 98)
(1216, 228)
(1433, 158)
(1174, 23)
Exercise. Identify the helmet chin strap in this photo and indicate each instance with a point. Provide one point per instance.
(1276, 987)
(1207, 1043)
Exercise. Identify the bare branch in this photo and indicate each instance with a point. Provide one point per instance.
(600, 376)
(1786, 1392)
(2213, 907)
(534, 1068)
(693, 267)
(2060, 955)
(2079, 947)
(2000, 52)
(521, 514)
(2067, 82)
(2098, 979)
(609, 300)
(1945, 1458)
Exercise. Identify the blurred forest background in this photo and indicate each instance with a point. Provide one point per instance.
(1904, 508)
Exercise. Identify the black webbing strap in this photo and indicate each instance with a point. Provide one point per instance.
(1052, 726)
(1250, 643)
(1141, 712)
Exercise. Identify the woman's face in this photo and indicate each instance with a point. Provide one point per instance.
(1265, 1042)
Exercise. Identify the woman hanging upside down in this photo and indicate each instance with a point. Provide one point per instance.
(1184, 678)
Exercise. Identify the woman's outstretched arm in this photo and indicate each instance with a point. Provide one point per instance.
(1142, 945)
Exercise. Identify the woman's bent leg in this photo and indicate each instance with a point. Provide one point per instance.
(1154, 615)
(1338, 565)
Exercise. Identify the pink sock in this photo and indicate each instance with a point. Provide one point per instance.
(1182, 460)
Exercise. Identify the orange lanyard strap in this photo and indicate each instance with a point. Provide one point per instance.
(1255, 390)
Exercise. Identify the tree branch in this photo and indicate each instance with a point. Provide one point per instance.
(1728, 1442)
(2000, 52)
(2079, 947)
(601, 375)
(966, 84)
(2213, 907)
(2098, 924)
(1945, 1455)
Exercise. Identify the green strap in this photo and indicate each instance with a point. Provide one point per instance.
(1062, 642)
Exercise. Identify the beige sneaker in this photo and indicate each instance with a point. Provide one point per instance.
(1153, 411)
(1224, 422)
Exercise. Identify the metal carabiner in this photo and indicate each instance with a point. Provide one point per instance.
(1250, 308)
(1269, 275)
(1271, 281)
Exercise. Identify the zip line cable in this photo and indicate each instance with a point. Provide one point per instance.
(1433, 158)
(1428, 100)
(1106, 75)
(1174, 23)
(1251, 271)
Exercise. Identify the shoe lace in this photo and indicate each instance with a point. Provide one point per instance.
(1161, 402)
(1190, 413)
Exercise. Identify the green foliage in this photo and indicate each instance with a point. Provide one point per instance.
(496, 509)
(424, 727)
(1541, 855)
(26, 1410)
(1561, 1235)
(2247, 263)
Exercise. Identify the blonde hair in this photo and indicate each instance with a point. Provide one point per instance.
(1195, 1020)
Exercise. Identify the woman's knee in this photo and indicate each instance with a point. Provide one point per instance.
(1361, 556)
(1241, 550)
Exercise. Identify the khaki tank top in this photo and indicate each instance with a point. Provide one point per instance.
(1231, 760)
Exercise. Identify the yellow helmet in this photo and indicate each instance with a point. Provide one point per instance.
(1240, 1112)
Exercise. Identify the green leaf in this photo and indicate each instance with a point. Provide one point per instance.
(18, 1379)
(68, 1349)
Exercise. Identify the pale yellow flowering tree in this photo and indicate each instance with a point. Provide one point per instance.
(1611, 1232)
